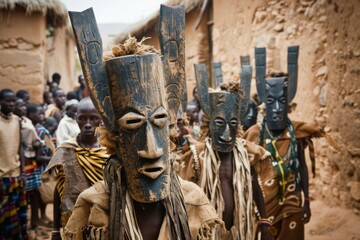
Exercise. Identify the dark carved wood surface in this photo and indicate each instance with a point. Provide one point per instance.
(245, 85)
(293, 53)
(202, 84)
(217, 74)
(172, 44)
(245, 60)
(260, 67)
(90, 51)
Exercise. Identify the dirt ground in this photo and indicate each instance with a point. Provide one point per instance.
(327, 223)
(332, 223)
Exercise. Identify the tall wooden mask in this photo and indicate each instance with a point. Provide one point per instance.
(224, 120)
(128, 92)
(276, 103)
(139, 106)
(276, 92)
(172, 45)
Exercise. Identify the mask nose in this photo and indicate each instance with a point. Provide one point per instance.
(227, 136)
(277, 107)
(151, 150)
(250, 113)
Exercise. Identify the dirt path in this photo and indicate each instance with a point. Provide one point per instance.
(332, 223)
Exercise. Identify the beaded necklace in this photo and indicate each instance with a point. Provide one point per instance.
(282, 170)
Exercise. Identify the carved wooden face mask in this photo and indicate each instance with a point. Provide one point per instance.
(137, 95)
(224, 120)
(276, 103)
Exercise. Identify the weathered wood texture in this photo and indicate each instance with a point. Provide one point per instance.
(260, 69)
(202, 84)
(217, 74)
(293, 54)
(90, 49)
(172, 44)
(260, 63)
(245, 85)
(245, 60)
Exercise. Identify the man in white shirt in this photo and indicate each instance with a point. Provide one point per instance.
(68, 127)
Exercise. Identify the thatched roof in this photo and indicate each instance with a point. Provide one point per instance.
(55, 12)
(147, 24)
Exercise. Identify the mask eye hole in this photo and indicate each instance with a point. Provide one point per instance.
(234, 122)
(131, 121)
(270, 100)
(283, 99)
(159, 117)
(219, 122)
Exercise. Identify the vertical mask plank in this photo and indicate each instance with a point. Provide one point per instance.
(172, 44)
(202, 84)
(260, 68)
(293, 54)
(217, 74)
(89, 45)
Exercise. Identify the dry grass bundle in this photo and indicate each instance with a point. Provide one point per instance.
(106, 139)
(232, 87)
(130, 47)
(276, 73)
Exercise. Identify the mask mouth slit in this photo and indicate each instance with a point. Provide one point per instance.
(222, 141)
(150, 170)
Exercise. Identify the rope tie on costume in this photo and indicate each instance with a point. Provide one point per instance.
(281, 168)
(92, 161)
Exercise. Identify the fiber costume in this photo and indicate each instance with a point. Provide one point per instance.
(128, 92)
(92, 211)
(77, 168)
(201, 163)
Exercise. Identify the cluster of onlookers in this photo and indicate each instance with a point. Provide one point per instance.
(29, 135)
